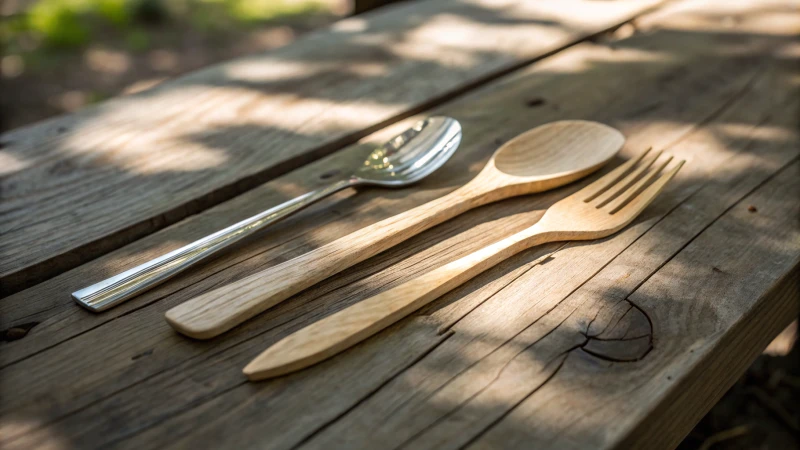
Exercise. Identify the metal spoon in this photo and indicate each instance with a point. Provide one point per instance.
(404, 159)
(544, 158)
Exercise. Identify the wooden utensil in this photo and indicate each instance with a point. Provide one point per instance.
(546, 157)
(598, 210)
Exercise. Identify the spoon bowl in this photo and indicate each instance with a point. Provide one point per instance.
(550, 156)
(411, 155)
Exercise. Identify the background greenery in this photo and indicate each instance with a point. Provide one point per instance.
(71, 24)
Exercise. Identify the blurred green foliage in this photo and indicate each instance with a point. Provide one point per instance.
(71, 24)
(57, 23)
(137, 40)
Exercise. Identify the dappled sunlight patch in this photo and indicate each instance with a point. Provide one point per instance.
(163, 60)
(46, 438)
(12, 66)
(351, 25)
(71, 100)
(783, 344)
(143, 85)
(790, 52)
(273, 70)
(368, 69)
(768, 132)
(763, 23)
(113, 62)
(597, 59)
(458, 41)
(345, 117)
(127, 132)
(269, 69)
(183, 158)
(614, 57)
(272, 37)
(10, 163)
(766, 21)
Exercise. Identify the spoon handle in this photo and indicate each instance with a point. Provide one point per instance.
(123, 286)
(217, 311)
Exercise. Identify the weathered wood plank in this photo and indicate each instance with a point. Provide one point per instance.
(76, 187)
(502, 113)
(712, 308)
(156, 387)
(575, 418)
(387, 408)
(512, 346)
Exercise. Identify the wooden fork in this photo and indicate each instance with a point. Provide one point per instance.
(598, 210)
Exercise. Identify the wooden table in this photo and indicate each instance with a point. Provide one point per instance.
(624, 342)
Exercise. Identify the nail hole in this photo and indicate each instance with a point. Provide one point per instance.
(62, 129)
(329, 174)
(534, 102)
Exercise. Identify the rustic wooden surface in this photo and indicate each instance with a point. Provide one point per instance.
(624, 342)
(207, 136)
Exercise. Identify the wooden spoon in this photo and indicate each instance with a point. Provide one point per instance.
(544, 158)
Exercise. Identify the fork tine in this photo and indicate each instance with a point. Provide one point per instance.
(641, 201)
(631, 192)
(591, 191)
(620, 186)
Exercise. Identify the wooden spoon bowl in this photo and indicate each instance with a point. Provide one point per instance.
(549, 156)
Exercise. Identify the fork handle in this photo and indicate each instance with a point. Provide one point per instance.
(217, 311)
(352, 325)
(123, 286)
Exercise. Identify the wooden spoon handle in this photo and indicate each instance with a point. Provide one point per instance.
(352, 325)
(217, 311)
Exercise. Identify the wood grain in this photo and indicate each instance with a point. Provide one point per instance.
(76, 187)
(716, 83)
(511, 352)
(124, 379)
(691, 360)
